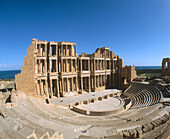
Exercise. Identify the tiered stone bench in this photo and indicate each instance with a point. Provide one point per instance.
(144, 95)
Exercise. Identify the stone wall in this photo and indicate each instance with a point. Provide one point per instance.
(166, 66)
(25, 81)
(54, 69)
(128, 74)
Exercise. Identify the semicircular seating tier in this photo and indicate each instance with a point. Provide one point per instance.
(143, 95)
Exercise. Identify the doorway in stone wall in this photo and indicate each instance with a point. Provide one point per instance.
(69, 85)
(54, 87)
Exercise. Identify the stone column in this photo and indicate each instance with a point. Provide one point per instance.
(63, 86)
(100, 64)
(75, 49)
(62, 52)
(76, 85)
(57, 51)
(46, 88)
(98, 80)
(102, 80)
(72, 85)
(49, 66)
(51, 90)
(45, 49)
(42, 90)
(60, 83)
(67, 85)
(71, 65)
(94, 64)
(45, 65)
(81, 65)
(163, 65)
(66, 51)
(71, 50)
(57, 88)
(81, 84)
(40, 50)
(94, 83)
(57, 65)
(76, 65)
(89, 85)
(62, 65)
(66, 65)
(110, 64)
(38, 88)
(40, 66)
(113, 80)
(49, 49)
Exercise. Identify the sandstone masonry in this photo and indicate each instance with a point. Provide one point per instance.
(166, 66)
(55, 69)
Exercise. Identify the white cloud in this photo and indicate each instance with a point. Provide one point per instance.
(10, 67)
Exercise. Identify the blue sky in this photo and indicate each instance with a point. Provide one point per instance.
(136, 30)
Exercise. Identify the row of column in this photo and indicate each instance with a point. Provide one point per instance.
(100, 64)
(42, 87)
(64, 66)
(58, 87)
(100, 81)
(41, 66)
(81, 65)
(66, 51)
(85, 86)
(68, 67)
(53, 66)
(42, 49)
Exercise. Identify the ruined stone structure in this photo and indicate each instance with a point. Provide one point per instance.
(55, 69)
(166, 66)
(128, 74)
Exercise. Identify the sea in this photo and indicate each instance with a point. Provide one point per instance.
(147, 67)
(10, 74)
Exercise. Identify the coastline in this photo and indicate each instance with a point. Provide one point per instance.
(147, 71)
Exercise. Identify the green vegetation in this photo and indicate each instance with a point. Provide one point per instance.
(149, 72)
(7, 79)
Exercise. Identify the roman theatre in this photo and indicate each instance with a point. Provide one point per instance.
(62, 95)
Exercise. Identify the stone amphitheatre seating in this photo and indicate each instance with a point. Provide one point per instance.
(108, 104)
(16, 120)
(33, 118)
(144, 95)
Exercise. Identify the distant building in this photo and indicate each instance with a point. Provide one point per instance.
(55, 69)
(166, 67)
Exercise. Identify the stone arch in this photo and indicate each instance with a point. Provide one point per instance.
(166, 65)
